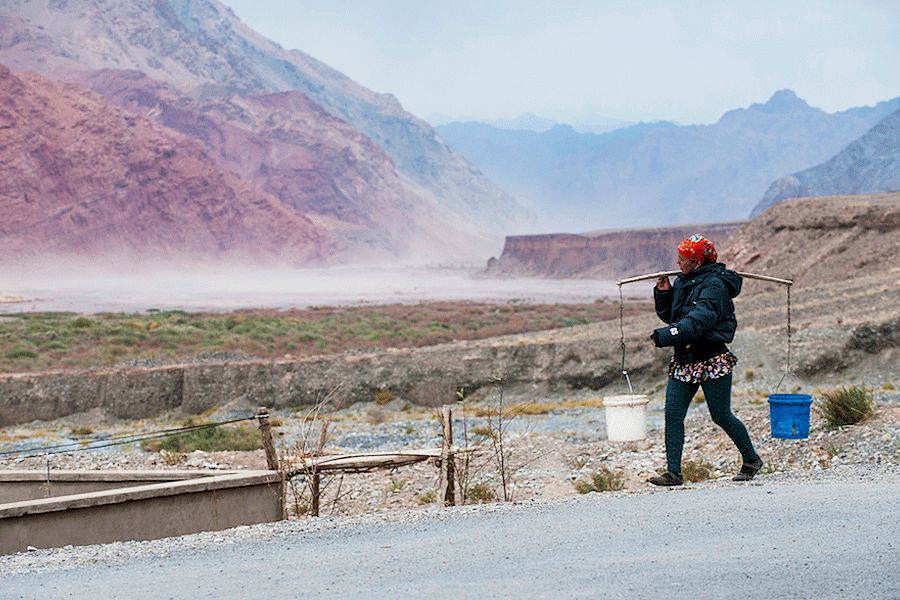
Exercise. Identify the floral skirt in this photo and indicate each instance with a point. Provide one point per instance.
(697, 372)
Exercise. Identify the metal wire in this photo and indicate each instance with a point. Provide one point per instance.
(117, 440)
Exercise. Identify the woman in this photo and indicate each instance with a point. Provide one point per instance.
(700, 320)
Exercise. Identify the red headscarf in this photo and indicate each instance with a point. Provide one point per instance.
(698, 249)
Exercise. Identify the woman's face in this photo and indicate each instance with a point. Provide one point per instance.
(685, 264)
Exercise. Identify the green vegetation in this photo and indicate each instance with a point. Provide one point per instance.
(212, 439)
(845, 406)
(41, 341)
(602, 480)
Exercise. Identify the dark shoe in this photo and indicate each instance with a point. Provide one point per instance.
(667, 479)
(748, 470)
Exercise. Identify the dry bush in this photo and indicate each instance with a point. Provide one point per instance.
(696, 470)
(481, 492)
(299, 462)
(846, 406)
(602, 480)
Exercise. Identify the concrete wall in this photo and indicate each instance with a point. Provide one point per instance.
(18, 486)
(143, 512)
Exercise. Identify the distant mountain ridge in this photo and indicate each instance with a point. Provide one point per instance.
(537, 123)
(204, 50)
(653, 174)
(868, 165)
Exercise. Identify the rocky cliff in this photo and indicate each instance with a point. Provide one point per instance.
(82, 177)
(870, 164)
(604, 254)
(201, 47)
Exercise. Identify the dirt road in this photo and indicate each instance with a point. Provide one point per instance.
(799, 540)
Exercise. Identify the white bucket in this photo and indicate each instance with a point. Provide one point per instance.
(626, 417)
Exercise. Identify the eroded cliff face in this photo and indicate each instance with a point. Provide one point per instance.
(601, 255)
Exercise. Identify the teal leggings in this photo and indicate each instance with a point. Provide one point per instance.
(718, 397)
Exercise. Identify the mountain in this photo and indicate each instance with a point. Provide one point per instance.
(318, 165)
(203, 49)
(653, 174)
(868, 165)
(84, 178)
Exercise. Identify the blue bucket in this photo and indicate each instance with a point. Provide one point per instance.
(789, 415)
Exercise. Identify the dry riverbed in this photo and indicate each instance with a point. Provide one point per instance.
(559, 442)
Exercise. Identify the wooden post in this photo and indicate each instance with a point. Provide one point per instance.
(314, 493)
(262, 416)
(447, 491)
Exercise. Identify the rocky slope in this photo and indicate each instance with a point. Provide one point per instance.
(870, 164)
(202, 47)
(823, 239)
(82, 177)
(603, 255)
(318, 165)
(654, 174)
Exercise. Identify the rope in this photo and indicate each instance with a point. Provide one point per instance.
(622, 325)
(788, 329)
(117, 440)
(622, 342)
(787, 369)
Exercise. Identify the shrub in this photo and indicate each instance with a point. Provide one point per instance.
(81, 323)
(211, 439)
(602, 480)
(16, 353)
(481, 492)
(382, 397)
(696, 470)
(427, 497)
(845, 406)
(482, 431)
(82, 431)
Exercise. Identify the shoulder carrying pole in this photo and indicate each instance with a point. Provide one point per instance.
(785, 282)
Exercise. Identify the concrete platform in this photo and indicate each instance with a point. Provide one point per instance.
(110, 506)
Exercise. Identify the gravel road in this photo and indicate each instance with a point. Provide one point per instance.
(724, 540)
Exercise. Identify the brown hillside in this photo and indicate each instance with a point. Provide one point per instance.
(844, 254)
(818, 240)
(82, 177)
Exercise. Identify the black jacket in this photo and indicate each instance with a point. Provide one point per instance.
(699, 313)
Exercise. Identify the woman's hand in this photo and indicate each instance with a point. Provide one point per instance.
(662, 284)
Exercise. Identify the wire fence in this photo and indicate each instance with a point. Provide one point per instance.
(116, 440)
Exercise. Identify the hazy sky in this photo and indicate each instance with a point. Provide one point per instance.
(635, 60)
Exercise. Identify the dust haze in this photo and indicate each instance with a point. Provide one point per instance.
(77, 286)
